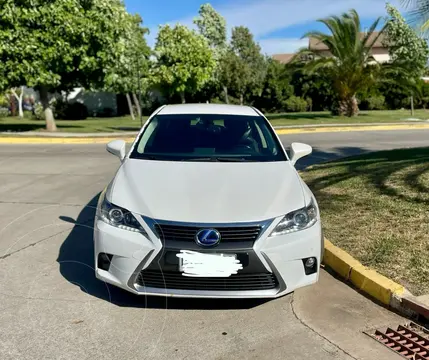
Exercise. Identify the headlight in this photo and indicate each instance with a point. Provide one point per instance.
(297, 220)
(119, 217)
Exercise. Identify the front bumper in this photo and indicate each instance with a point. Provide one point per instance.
(282, 256)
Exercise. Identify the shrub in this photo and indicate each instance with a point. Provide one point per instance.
(424, 102)
(295, 104)
(109, 112)
(4, 111)
(376, 102)
(4, 101)
(309, 104)
(74, 111)
(39, 114)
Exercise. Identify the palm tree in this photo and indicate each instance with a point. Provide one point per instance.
(349, 63)
(418, 12)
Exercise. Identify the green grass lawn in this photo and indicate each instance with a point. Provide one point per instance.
(382, 116)
(376, 207)
(125, 123)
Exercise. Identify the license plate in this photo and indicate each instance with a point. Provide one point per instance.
(195, 264)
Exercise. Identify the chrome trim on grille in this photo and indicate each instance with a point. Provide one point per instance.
(264, 224)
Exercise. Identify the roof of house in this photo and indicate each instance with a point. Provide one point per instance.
(218, 109)
(283, 58)
(316, 45)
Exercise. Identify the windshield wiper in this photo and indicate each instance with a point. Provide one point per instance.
(152, 157)
(232, 159)
(218, 158)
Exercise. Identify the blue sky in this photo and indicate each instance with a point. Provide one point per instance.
(277, 24)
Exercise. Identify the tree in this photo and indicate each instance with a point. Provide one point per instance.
(403, 42)
(350, 65)
(315, 86)
(418, 12)
(212, 26)
(231, 73)
(248, 64)
(57, 45)
(184, 61)
(132, 65)
(276, 88)
(19, 94)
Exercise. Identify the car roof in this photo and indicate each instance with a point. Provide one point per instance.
(217, 109)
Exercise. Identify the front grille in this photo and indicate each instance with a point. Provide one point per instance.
(187, 233)
(236, 282)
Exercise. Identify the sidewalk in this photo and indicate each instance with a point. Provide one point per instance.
(337, 312)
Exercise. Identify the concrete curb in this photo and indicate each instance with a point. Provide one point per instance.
(372, 283)
(105, 138)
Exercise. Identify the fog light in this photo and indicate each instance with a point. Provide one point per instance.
(104, 261)
(310, 265)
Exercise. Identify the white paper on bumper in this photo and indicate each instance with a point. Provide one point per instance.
(208, 265)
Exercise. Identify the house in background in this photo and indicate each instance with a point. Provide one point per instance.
(99, 102)
(379, 51)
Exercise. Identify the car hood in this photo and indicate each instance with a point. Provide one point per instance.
(207, 192)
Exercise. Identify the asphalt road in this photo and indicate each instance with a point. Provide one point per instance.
(52, 307)
(330, 146)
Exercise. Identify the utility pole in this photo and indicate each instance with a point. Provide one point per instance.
(412, 105)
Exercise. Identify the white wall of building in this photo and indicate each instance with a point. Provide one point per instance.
(94, 101)
(381, 58)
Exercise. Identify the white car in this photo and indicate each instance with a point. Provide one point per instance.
(207, 203)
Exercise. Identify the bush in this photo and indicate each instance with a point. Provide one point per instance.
(424, 102)
(376, 102)
(309, 104)
(4, 111)
(39, 114)
(74, 111)
(4, 101)
(295, 104)
(109, 112)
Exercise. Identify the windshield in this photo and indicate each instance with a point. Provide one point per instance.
(207, 137)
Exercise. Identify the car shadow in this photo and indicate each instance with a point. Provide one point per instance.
(76, 264)
(320, 156)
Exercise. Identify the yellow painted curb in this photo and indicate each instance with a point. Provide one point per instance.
(365, 279)
(352, 128)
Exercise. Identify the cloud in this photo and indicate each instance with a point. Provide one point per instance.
(266, 17)
(281, 45)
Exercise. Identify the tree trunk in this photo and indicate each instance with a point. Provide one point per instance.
(182, 97)
(349, 107)
(19, 98)
(225, 91)
(49, 115)
(241, 99)
(12, 105)
(138, 105)
(130, 106)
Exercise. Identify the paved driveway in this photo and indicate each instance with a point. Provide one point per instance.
(51, 307)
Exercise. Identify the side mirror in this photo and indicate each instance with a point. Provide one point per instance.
(299, 150)
(117, 148)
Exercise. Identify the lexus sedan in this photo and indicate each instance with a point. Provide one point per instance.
(207, 203)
